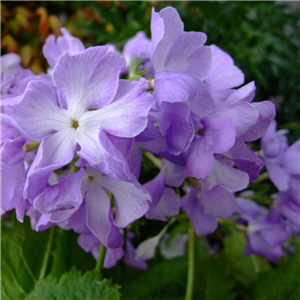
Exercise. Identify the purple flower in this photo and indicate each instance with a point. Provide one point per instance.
(282, 161)
(89, 102)
(175, 50)
(289, 208)
(265, 230)
(13, 176)
(14, 79)
(223, 75)
(81, 200)
(165, 202)
(90, 243)
(55, 48)
(11, 73)
(203, 209)
(139, 47)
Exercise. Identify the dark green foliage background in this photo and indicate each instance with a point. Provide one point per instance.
(229, 275)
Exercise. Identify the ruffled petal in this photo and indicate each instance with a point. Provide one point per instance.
(62, 196)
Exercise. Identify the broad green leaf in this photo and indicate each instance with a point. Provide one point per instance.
(67, 254)
(243, 268)
(74, 286)
(281, 283)
(212, 281)
(22, 255)
(162, 280)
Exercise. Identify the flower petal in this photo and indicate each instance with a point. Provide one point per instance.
(62, 196)
(53, 49)
(174, 87)
(188, 55)
(89, 79)
(219, 136)
(12, 174)
(37, 114)
(203, 223)
(167, 206)
(267, 113)
(131, 200)
(55, 151)
(219, 203)
(127, 115)
(101, 154)
(166, 26)
(225, 175)
(99, 216)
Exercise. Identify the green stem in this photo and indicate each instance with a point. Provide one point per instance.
(156, 161)
(100, 261)
(191, 263)
(47, 253)
(262, 177)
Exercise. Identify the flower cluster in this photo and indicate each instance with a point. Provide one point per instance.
(73, 140)
(268, 230)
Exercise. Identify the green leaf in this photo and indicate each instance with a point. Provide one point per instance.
(245, 269)
(67, 254)
(22, 255)
(165, 278)
(212, 282)
(281, 283)
(74, 286)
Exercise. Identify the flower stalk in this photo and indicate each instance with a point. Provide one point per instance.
(191, 263)
(47, 253)
(100, 261)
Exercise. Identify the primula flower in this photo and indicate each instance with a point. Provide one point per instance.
(90, 100)
(139, 48)
(265, 230)
(177, 56)
(11, 73)
(203, 209)
(282, 161)
(13, 176)
(55, 48)
(82, 202)
(14, 79)
(90, 243)
(165, 202)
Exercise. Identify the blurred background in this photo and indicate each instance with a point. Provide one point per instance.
(262, 37)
